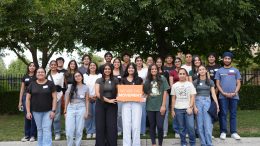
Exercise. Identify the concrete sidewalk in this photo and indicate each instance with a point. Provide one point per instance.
(146, 142)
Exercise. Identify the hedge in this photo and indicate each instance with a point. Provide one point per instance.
(249, 100)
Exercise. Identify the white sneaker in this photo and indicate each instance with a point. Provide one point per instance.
(88, 136)
(165, 135)
(235, 136)
(57, 137)
(177, 135)
(119, 133)
(24, 139)
(32, 139)
(212, 137)
(223, 136)
(94, 135)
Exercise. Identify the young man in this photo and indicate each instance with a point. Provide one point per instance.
(228, 83)
(86, 59)
(108, 58)
(126, 58)
(169, 65)
(60, 62)
(188, 59)
(212, 66)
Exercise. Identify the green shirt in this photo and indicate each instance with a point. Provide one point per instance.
(155, 98)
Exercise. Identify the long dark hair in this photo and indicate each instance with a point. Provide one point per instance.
(28, 71)
(111, 74)
(74, 88)
(120, 66)
(150, 78)
(68, 73)
(193, 67)
(96, 71)
(126, 74)
(160, 58)
(207, 78)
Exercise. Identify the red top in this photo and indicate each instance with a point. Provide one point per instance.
(175, 76)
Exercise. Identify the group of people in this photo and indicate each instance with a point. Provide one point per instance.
(87, 96)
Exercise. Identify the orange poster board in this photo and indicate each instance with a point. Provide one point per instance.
(127, 93)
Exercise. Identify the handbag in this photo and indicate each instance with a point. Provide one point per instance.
(213, 112)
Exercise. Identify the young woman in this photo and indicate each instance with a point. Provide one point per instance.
(183, 94)
(156, 87)
(42, 98)
(159, 63)
(196, 62)
(72, 68)
(149, 61)
(90, 79)
(204, 86)
(106, 108)
(118, 73)
(131, 111)
(76, 109)
(58, 80)
(29, 125)
(142, 72)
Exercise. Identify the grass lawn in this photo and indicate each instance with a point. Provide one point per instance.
(11, 126)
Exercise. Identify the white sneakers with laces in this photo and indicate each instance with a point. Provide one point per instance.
(235, 136)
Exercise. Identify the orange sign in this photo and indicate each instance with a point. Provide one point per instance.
(127, 93)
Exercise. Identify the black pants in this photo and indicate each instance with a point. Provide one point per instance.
(156, 120)
(106, 124)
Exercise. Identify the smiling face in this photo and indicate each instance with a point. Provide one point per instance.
(108, 58)
(131, 70)
(53, 65)
(116, 63)
(149, 61)
(182, 74)
(169, 60)
(227, 61)
(197, 61)
(154, 70)
(40, 74)
(86, 60)
(107, 70)
(31, 68)
(72, 65)
(92, 67)
(202, 70)
(78, 77)
(159, 62)
(177, 63)
(126, 58)
(139, 62)
(211, 59)
(188, 58)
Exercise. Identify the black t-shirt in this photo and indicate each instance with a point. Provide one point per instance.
(212, 71)
(41, 96)
(27, 80)
(168, 69)
(137, 81)
(69, 78)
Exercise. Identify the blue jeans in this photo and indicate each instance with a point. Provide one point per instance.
(186, 123)
(75, 123)
(90, 122)
(204, 121)
(30, 128)
(226, 105)
(165, 123)
(56, 121)
(43, 122)
(143, 120)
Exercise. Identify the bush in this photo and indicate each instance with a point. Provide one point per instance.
(8, 102)
(249, 97)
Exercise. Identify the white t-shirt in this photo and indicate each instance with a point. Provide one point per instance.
(58, 79)
(90, 81)
(183, 92)
(143, 73)
(188, 68)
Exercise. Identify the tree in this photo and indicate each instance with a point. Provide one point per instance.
(45, 26)
(2, 66)
(17, 67)
(163, 26)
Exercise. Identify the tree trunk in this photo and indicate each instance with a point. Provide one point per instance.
(34, 57)
(162, 46)
(44, 58)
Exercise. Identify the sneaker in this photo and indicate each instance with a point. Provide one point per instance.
(94, 135)
(119, 133)
(24, 139)
(144, 134)
(32, 139)
(235, 136)
(88, 136)
(223, 136)
(212, 137)
(165, 135)
(177, 135)
(57, 137)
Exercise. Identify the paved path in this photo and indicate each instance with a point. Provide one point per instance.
(147, 142)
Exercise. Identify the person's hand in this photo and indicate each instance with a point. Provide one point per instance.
(29, 116)
(19, 105)
(113, 101)
(52, 115)
(196, 110)
(189, 111)
(173, 113)
(86, 115)
(217, 108)
(162, 110)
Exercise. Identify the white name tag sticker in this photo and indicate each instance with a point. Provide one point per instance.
(45, 86)
(216, 69)
(231, 71)
(201, 84)
(81, 96)
(119, 77)
(27, 79)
